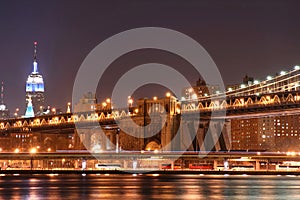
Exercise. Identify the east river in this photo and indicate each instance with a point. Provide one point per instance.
(138, 186)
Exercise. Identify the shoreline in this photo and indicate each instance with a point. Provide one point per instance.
(158, 172)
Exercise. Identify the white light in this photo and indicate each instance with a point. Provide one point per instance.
(297, 67)
(182, 99)
(217, 92)
(256, 81)
(2, 107)
(230, 89)
(205, 94)
(33, 150)
(269, 78)
(282, 73)
(243, 86)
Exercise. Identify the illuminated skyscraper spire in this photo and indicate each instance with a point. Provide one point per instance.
(35, 86)
(35, 63)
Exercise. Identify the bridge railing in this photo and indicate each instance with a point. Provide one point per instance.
(277, 100)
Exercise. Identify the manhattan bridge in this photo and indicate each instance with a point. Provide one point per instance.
(255, 116)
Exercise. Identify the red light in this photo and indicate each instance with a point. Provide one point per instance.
(35, 43)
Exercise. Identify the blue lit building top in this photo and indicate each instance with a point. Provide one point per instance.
(35, 82)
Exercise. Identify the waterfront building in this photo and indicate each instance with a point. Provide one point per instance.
(274, 133)
(35, 87)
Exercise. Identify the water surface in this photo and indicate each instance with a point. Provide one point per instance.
(125, 187)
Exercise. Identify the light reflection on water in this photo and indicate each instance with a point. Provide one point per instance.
(149, 187)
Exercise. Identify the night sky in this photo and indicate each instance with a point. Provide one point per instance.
(256, 38)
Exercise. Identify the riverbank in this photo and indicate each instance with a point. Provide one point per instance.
(175, 172)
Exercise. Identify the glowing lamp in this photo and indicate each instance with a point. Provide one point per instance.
(282, 73)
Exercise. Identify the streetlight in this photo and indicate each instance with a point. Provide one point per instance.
(136, 111)
(130, 102)
(269, 78)
(283, 73)
(168, 94)
(63, 162)
(104, 104)
(16, 114)
(69, 107)
(256, 82)
(32, 152)
(117, 140)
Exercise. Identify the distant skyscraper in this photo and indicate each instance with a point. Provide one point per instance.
(4, 112)
(35, 86)
(29, 110)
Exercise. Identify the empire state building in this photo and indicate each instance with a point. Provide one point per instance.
(35, 88)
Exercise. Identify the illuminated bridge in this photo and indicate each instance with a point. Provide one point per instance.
(254, 114)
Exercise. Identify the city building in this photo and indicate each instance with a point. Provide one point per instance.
(274, 133)
(4, 112)
(86, 103)
(201, 89)
(29, 110)
(247, 81)
(35, 87)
